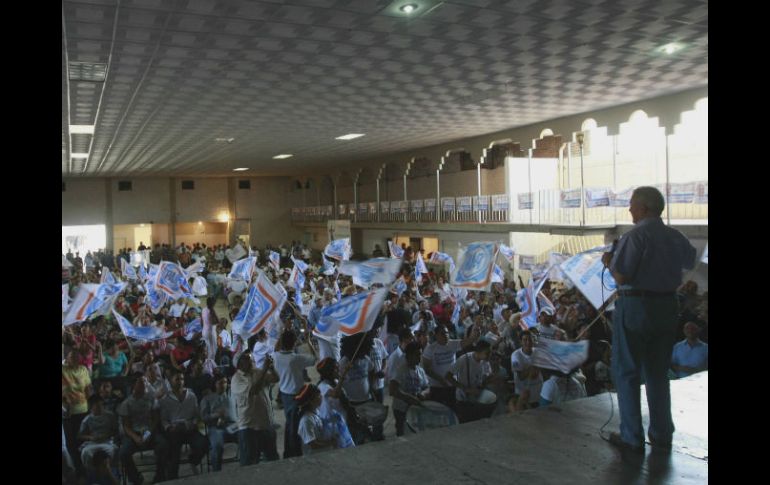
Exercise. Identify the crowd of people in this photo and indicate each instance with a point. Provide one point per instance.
(204, 386)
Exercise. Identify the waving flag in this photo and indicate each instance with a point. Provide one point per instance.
(313, 287)
(328, 268)
(376, 270)
(301, 265)
(527, 301)
(337, 291)
(65, 296)
(559, 355)
(169, 278)
(352, 315)
(107, 277)
(420, 264)
(476, 266)
(196, 326)
(243, 269)
(585, 271)
(236, 253)
(142, 273)
(275, 260)
(91, 300)
(438, 257)
(156, 298)
(455, 319)
(261, 302)
(497, 275)
(194, 269)
(148, 334)
(127, 270)
(399, 286)
(338, 249)
(395, 251)
(507, 252)
(152, 272)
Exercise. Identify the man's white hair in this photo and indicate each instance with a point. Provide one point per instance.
(651, 198)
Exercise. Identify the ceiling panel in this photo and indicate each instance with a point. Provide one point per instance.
(288, 77)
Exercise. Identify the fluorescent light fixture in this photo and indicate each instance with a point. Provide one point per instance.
(224, 216)
(224, 140)
(283, 155)
(408, 8)
(350, 136)
(671, 48)
(240, 169)
(79, 155)
(81, 129)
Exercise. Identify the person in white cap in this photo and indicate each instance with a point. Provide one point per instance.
(546, 329)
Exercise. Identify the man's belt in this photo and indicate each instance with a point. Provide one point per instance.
(646, 293)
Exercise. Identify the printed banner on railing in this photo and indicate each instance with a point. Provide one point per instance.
(569, 198)
(481, 203)
(447, 204)
(464, 204)
(342, 209)
(395, 207)
(597, 197)
(525, 201)
(430, 205)
(585, 271)
(372, 207)
(351, 209)
(362, 208)
(403, 206)
(701, 193)
(621, 198)
(385, 207)
(417, 206)
(681, 193)
(526, 262)
(500, 202)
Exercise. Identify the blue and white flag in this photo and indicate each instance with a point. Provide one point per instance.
(155, 298)
(337, 291)
(191, 328)
(498, 276)
(352, 315)
(275, 260)
(65, 297)
(236, 253)
(127, 270)
(440, 258)
(147, 334)
(107, 277)
(313, 287)
(338, 249)
(142, 274)
(559, 355)
(420, 264)
(376, 270)
(475, 267)
(455, 319)
(243, 269)
(152, 272)
(526, 298)
(399, 286)
(194, 269)
(92, 300)
(585, 271)
(262, 301)
(507, 252)
(417, 275)
(395, 251)
(329, 267)
(301, 265)
(169, 279)
(705, 257)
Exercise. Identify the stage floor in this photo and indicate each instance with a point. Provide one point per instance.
(532, 447)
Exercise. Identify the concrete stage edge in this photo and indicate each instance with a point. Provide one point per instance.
(531, 447)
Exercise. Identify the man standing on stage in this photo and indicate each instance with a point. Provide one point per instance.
(647, 266)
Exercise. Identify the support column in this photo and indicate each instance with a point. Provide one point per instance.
(108, 226)
(172, 211)
(232, 210)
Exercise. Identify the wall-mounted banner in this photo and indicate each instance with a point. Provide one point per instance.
(447, 204)
(525, 201)
(526, 262)
(681, 193)
(417, 206)
(701, 193)
(481, 203)
(597, 197)
(569, 199)
(621, 198)
(464, 204)
(500, 202)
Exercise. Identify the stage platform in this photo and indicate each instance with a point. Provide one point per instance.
(542, 446)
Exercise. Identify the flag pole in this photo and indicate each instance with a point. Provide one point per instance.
(600, 315)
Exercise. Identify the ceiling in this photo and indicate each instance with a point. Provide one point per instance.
(290, 76)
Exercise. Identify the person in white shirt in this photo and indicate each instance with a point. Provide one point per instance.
(408, 385)
(470, 374)
(546, 329)
(262, 349)
(560, 388)
(527, 378)
(397, 358)
(379, 356)
(225, 338)
(236, 290)
(437, 359)
(311, 427)
(178, 308)
(179, 416)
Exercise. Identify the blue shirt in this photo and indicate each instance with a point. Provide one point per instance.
(696, 356)
(652, 256)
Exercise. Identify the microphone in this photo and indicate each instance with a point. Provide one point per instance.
(614, 246)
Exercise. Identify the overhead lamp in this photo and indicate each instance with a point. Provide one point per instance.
(224, 216)
(350, 136)
(671, 48)
(240, 169)
(283, 155)
(81, 129)
(408, 8)
(79, 155)
(224, 140)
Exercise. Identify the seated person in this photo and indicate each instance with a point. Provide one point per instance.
(562, 387)
(216, 411)
(179, 415)
(98, 431)
(691, 355)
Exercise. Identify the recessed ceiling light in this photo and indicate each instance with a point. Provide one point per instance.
(283, 155)
(224, 140)
(408, 8)
(79, 155)
(239, 169)
(671, 48)
(350, 136)
(81, 129)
